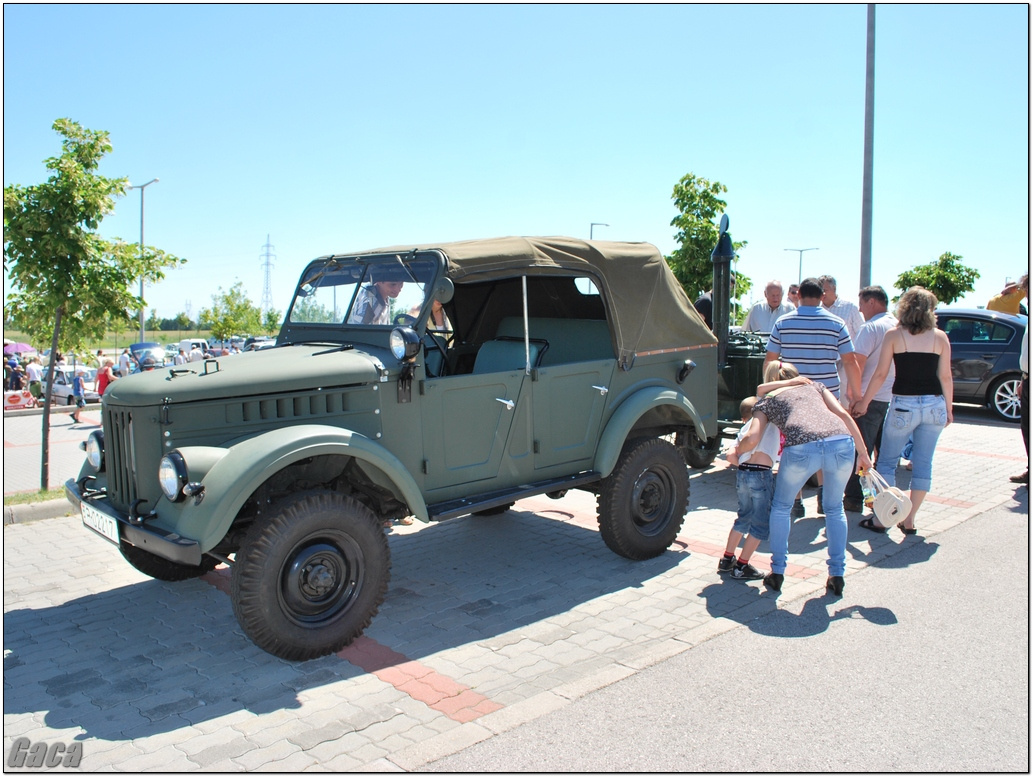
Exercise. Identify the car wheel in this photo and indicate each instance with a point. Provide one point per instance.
(70, 401)
(162, 569)
(642, 503)
(699, 454)
(310, 575)
(1003, 397)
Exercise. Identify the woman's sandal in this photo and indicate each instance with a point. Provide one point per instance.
(904, 529)
(871, 525)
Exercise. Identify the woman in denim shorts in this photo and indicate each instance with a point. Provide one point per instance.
(923, 393)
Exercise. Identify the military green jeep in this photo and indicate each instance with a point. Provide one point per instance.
(435, 382)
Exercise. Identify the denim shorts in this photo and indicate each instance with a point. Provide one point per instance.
(755, 488)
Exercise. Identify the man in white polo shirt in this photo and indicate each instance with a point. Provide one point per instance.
(763, 315)
(872, 302)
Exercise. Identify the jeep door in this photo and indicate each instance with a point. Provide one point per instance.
(471, 424)
(568, 401)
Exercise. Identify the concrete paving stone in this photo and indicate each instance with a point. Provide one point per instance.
(292, 764)
(284, 731)
(422, 753)
(329, 732)
(202, 740)
(110, 759)
(261, 756)
(219, 754)
(164, 759)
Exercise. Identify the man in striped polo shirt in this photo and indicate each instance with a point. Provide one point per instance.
(813, 340)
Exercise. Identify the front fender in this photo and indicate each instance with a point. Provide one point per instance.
(633, 408)
(237, 471)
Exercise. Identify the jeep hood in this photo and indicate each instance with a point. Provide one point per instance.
(284, 369)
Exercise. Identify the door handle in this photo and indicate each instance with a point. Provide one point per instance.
(602, 390)
(510, 404)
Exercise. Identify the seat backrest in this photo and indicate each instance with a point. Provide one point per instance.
(433, 360)
(505, 356)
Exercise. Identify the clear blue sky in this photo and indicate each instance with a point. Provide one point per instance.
(332, 128)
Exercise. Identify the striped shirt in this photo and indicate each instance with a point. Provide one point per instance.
(812, 339)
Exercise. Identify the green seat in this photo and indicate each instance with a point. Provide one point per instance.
(506, 355)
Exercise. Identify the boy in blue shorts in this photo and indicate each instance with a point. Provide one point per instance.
(755, 486)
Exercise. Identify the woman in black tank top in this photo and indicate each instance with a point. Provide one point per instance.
(923, 393)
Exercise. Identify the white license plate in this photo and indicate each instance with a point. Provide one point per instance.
(104, 525)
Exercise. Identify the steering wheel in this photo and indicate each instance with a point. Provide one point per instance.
(404, 319)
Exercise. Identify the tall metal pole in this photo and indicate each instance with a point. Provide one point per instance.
(592, 226)
(869, 132)
(800, 269)
(142, 187)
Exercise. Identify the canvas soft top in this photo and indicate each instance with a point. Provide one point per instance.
(650, 310)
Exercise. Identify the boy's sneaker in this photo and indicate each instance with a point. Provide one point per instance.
(797, 511)
(746, 572)
(726, 564)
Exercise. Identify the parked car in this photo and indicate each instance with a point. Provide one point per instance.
(147, 356)
(63, 377)
(171, 352)
(258, 343)
(985, 357)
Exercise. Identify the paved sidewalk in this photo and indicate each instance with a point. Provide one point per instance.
(489, 622)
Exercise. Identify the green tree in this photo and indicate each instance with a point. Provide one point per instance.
(271, 321)
(153, 322)
(699, 205)
(231, 313)
(947, 278)
(68, 284)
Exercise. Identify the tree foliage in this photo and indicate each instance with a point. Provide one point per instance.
(271, 321)
(68, 283)
(947, 278)
(699, 205)
(231, 313)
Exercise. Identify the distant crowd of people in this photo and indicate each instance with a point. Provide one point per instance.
(845, 385)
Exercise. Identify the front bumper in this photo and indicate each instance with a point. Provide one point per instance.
(166, 544)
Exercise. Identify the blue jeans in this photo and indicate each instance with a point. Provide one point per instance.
(754, 489)
(835, 459)
(922, 418)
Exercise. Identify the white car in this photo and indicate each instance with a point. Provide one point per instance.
(63, 377)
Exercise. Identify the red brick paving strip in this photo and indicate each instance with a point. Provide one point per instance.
(422, 683)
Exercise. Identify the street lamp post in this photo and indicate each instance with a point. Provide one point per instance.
(800, 270)
(591, 228)
(141, 187)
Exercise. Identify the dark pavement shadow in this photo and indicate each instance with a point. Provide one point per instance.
(154, 657)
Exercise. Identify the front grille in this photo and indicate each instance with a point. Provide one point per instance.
(118, 453)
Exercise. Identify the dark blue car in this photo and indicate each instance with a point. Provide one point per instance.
(985, 357)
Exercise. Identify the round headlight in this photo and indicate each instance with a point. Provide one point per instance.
(172, 475)
(405, 343)
(95, 450)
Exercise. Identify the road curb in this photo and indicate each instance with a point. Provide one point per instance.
(37, 511)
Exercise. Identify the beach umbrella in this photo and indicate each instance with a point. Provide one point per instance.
(12, 348)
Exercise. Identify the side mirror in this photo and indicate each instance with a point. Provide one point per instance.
(444, 290)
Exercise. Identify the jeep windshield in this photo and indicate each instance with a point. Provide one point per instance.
(368, 291)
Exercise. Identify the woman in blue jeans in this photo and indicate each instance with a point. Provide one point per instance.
(819, 436)
(923, 393)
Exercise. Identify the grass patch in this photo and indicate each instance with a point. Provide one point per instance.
(31, 497)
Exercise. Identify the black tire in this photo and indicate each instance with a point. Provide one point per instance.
(699, 454)
(642, 503)
(1003, 397)
(70, 401)
(310, 575)
(162, 569)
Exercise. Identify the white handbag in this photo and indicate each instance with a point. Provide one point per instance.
(890, 504)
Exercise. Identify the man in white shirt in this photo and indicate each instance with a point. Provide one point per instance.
(763, 315)
(123, 363)
(843, 309)
(867, 347)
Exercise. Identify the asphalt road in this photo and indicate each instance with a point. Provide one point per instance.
(924, 668)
